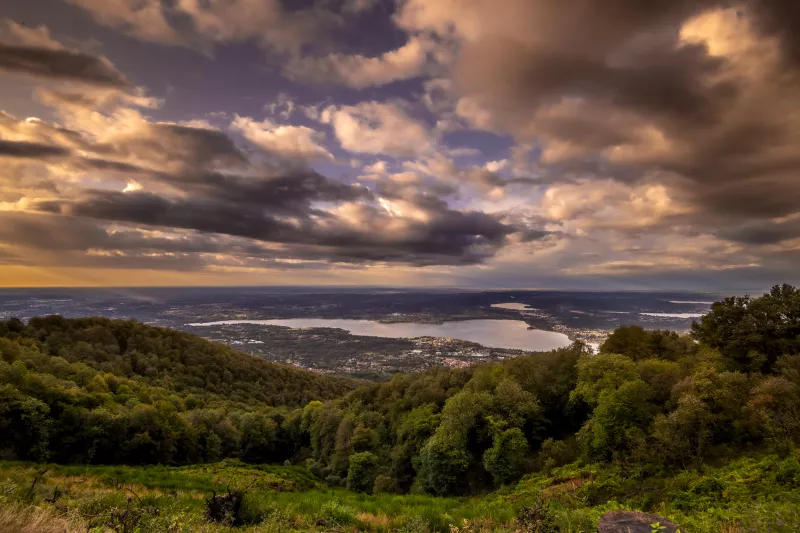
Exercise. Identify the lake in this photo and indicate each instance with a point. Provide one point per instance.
(513, 306)
(508, 334)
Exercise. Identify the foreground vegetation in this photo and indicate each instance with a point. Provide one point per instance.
(748, 494)
(700, 428)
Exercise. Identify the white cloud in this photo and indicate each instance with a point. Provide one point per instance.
(609, 205)
(19, 35)
(358, 71)
(293, 142)
(496, 166)
(283, 106)
(378, 128)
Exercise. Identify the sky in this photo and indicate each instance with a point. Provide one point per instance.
(581, 144)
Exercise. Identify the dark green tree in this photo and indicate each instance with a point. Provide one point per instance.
(362, 472)
(753, 333)
(505, 458)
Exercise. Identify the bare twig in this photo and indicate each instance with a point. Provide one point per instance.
(134, 493)
(36, 479)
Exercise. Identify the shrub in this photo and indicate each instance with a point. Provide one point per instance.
(226, 508)
(415, 524)
(536, 518)
(383, 483)
(334, 514)
(334, 480)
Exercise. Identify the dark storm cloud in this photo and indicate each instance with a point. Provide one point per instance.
(612, 87)
(780, 18)
(451, 237)
(290, 193)
(48, 232)
(115, 166)
(60, 64)
(189, 182)
(165, 144)
(83, 242)
(671, 84)
(30, 150)
(763, 232)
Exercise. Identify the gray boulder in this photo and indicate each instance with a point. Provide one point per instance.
(634, 522)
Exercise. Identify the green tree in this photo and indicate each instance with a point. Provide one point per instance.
(598, 373)
(515, 405)
(24, 425)
(620, 421)
(661, 376)
(362, 471)
(443, 465)
(630, 341)
(504, 459)
(684, 435)
(364, 439)
(774, 407)
(638, 343)
(753, 333)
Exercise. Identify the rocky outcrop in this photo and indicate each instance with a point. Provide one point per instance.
(635, 522)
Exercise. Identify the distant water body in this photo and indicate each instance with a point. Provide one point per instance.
(508, 334)
(513, 306)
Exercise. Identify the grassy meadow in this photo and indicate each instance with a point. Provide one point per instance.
(748, 494)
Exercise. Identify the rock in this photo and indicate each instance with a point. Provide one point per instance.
(635, 522)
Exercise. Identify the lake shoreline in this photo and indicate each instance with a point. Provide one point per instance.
(489, 333)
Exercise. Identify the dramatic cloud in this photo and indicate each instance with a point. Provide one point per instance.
(29, 150)
(32, 52)
(526, 142)
(694, 98)
(198, 24)
(174, 177)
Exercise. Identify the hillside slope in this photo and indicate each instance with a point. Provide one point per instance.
(173, 360)
(111, 391)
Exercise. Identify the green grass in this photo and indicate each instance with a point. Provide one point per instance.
(440, 513)
(274, 493)
(754, 493)
(748, 494)
(201, 478)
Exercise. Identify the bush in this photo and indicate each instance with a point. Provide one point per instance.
(383, 483)
(334, 481)
(788, 472)
(334, 514)
(536, 518)
(255, 508)
(415, 525)
(225, 508)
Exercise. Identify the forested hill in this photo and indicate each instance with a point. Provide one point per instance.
(169, 359)
(96, 390)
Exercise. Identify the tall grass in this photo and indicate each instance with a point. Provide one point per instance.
(30, 519)
(748, 494)
(369, 510)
